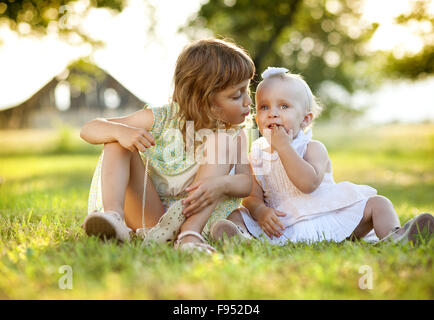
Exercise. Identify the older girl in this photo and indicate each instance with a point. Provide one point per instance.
(211, 93)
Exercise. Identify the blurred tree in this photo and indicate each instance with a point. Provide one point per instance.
(40, 17)
(63, 18)
(82, 73)
(322, 40)
(414, 65)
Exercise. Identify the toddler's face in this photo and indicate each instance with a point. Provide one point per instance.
(233, 103)
(280, 102)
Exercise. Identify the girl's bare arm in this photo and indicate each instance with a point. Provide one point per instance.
(240, 184)
(130, 131)
(205, 191)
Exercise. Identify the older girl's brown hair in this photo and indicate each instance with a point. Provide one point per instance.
(204, 68)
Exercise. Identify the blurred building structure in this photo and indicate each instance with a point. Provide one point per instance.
(82, 92)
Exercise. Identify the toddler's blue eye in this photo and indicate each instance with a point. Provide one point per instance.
(264, 108)
(284, 106)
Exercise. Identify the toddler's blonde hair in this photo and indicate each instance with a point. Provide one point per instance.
(204, 68)
(312, 102)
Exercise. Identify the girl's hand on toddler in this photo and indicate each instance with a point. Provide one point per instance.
(202, 194)
(268, 220)
(135, 139)
(279, 138)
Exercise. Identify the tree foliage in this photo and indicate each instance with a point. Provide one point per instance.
(420, 64)
(40, 17)
(322, 40)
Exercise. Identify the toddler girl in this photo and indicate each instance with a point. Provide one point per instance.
(211, 94)
(294, 197)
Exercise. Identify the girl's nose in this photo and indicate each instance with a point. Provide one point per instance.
(247, 101)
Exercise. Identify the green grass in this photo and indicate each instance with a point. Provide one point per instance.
(45, 177)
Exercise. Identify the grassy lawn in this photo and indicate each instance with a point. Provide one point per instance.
(44, 181)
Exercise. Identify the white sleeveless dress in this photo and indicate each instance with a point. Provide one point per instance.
(330, 213)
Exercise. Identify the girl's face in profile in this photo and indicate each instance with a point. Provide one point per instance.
(280, 102)
(233, 103)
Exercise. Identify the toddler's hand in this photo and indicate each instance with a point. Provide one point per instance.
(135, 139)
(268, 220)
(278, 137)
(202, 194)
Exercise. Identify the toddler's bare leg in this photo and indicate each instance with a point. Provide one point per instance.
(380, 215)
(122, 177)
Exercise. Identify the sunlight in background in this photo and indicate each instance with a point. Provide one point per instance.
(62, 96)
(390, 36)
(404, 101)
(145, 64)
(111, 98)
(27, 64)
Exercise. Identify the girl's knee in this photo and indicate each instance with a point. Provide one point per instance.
(115, 147)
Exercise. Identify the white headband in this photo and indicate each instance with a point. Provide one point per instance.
(271, 71)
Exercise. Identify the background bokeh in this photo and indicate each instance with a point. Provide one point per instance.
(369, 61)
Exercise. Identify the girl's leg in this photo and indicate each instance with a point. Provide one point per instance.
(197, 221)
(221, 144)
(122, 177)
(237, 218)
(380, 215)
